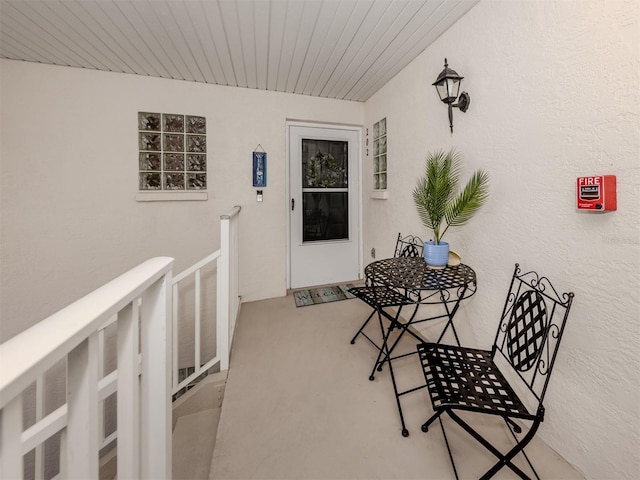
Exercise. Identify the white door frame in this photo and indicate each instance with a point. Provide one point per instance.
(356, 128)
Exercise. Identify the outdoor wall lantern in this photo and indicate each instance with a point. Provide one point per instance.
(448, 86)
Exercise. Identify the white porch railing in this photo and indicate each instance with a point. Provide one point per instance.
(140, 301)
(143, 374)
(227, 302)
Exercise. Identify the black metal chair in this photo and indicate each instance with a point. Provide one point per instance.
(520, 360)
(381, 297)
(408, 247)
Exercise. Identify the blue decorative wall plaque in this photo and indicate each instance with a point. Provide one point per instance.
(259, 169)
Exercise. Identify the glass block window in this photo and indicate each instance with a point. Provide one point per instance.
(380, 155)
(172, 152)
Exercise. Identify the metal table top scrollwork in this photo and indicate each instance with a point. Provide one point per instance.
(453, 283)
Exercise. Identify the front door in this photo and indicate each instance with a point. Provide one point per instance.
(324, 205)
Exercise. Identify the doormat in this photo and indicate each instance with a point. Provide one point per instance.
(314, 296)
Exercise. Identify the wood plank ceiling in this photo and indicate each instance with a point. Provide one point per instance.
(344, 49)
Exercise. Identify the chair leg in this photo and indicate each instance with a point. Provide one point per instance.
(425, 428)
(515, 430)
(405, 432)
(395, 323)
(506, 459)
(503, 459)
(353, 340)
(383, 347)
(384, 350)
(385, 339)
(434, 417)
(446, 441)
(514, 425)
(402, 327)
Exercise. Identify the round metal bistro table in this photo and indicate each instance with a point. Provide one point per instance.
(412, 274)
(425, 285)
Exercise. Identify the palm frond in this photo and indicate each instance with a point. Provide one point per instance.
(436, 188)
(465, 205)
(436, 197)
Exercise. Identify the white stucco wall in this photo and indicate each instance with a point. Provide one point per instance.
(554, 95)
(70, 221)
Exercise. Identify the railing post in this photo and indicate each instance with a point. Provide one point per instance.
(174, 325)
(82, 400)
(222, 323)
(40, 398)
(234, 298)
(155, 392)
(128, 393)
(197, 361)
(10, 448)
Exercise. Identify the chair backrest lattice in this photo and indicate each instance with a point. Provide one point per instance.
(531, 328)
(526, 330)
(409, 246)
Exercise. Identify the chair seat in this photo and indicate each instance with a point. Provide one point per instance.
(380, 297)
(467, 379)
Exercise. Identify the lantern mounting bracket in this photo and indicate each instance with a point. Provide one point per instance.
(463, 102)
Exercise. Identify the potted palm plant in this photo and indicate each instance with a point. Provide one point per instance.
(442, 205)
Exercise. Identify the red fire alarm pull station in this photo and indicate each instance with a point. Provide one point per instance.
(597, 193)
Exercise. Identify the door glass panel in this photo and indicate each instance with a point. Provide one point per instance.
(326, 216)
(325, 164)
(325, 194)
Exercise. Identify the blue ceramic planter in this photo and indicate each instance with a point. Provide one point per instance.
(436, 256)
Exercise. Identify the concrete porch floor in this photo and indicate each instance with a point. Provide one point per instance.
(299, 405)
